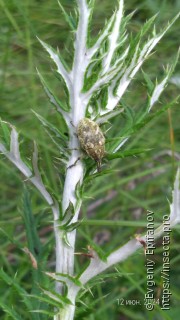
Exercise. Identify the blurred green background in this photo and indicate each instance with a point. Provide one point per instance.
(138, 183)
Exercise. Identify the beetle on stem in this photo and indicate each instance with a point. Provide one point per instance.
(91, 140)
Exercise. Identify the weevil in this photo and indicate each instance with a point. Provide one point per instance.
(92, 140)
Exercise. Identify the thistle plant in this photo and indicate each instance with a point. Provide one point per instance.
(102, 69)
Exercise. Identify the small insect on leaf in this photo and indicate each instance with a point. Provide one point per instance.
(91, 140)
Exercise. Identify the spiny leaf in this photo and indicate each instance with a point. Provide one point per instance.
(46, 299)
(91, 8)
(147, 25)
(72, 226)
(88, 177)
(92, 79)
(159, 87)
(54, 134)
(78, 190)
(6, 133)
(55, 56)
(129, 114)
(91, 4)
(149, 83)
(48, 313)
(34, 243)
(140, 122)
(137, 56)
(104, 97)
(126, 153)
(66, 105)
(13, 282)
(150, 117)
(101, 254)
(69, 19)
(79, 194)
(4, 276)
(62, 278)
(135, 41)
(113, 142)
(11, 312)
(98, 42)
(108, 115)
(94, 249)
(52, 98)
(69, 212)
(65, 239)
(51, 127)
(55, 296)
(11, 239)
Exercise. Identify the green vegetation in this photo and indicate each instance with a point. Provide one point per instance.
(115, 204)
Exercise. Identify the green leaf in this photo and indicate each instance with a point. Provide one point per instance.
(103, 34)
(47, 300)
(91, 4)
(52, 97)
(61, 277)
(51, 127)
(11, 312)
(55, 56)
(48, 313)
(147, 25)
(11, 239)
(72, 226)
(34, 247)
(69, 213)
(91, 8)
(91, 80)
(12, 282)
(56, 136)
(67, 226)
(4, 276)
(102, 255)
(109, 115)
(66, 105)
(65, 239)
(145, 118)
(104, 97)
(6, 133)
(78, 194)
(78, 191)
(152, 116)
(93, 248)
(33, 240)
(135, 41)
(126, 153)
(69, 19)
(72, 279)
(55, 296)
(88, 177)
(129, 113)
(149, 84)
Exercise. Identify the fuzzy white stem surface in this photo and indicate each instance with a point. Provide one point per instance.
(74, 174)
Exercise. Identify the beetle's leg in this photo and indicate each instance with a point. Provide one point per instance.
(75, 134)
(72, 165)
(72, 124)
